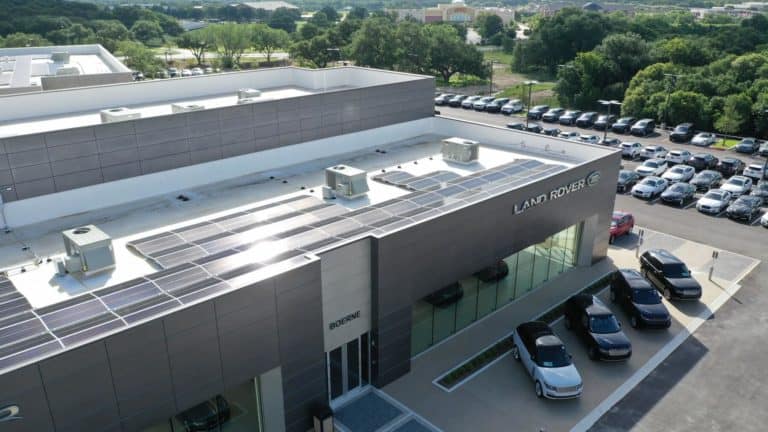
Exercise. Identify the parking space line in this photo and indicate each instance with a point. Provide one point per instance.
(654, 201)
(693, 203)
(721, 213)
(757, 220)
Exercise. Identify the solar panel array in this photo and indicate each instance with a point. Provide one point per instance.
(200, 260)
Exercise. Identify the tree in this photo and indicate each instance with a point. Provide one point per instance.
(320, 19)
(197, 42)
(269, 40)
(373, 44)
(308, 31)
(628, 52)
(315, 50)
(685, 106)
(74, 34)
(25, 40)
(231, 41)
(358, 12)
(736, 115)
(140, 58)
(109, 33)
(489, 24)
(680, 51)
(330, 13)
(448, 54)
(146, 31)
(411, 51)
(285, 19)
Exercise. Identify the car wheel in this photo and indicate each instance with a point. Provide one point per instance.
(613, 296)
(611, 239)
(592, 353)
(682, 202)
(667, 294)
(633, 321)
(515, 352)
(567, 322)
(539, 390)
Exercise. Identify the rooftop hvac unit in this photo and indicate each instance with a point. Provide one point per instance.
(460, 150)
(248, 93)
(89, 250)
(60, 56)
(186, 107)
(113, 115)
(346, 182)
(67, 71)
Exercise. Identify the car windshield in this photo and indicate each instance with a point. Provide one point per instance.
(676, 270)
(677, 170)
(650, 182)
(623, 175)
(645, 296)
(681, 129)
(603, 324)
(748, 200)
(651, 164)
(679, 187)
(706, 175)
(718, 196)
(602, 118)
(736, 181)
(624, 120)
(756, 167)
(553, 356)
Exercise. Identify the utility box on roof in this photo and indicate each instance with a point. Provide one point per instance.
(346, 181)
(460, 150)
(89, 250)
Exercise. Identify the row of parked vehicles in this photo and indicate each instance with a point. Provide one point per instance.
(546, 358)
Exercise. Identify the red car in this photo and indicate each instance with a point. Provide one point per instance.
(621, 223)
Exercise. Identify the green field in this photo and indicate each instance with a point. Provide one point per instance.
(725, 143)
(499, 56)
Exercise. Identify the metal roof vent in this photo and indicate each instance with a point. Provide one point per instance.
(186, 107)
(89, 250)
(248, 93)
(60, 57)
(113, 115)
(346, 181)
(67, 71)
(460, 150)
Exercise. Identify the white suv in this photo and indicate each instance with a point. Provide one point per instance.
(737, 185)
(756, 171)
(631, 149)
(678, 156)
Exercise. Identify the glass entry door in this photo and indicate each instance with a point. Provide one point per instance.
(348, 369)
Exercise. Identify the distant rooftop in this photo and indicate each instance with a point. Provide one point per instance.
(54, 67)
(271, 5)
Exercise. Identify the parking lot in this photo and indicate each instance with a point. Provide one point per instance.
(501, 397)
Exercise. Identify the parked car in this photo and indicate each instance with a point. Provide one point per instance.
(653, 152)
(208, 70)
(535, 128)
(537, 112)
(622, 223)
(445, 297)
(481, 103)
(569, 135)
(196, 71)
(623, 125)
(627, 179)
(512, 106)
(609, 141)
(516, 125)
(551, 131)
(186, 73)
(682, 133)
(714, 201)
(704, 139)
(745, 207)
(763, 150)
(677, 156)
(755, 170)
(596, 325)
(604, 121)
(649, 187)
(730, 166)
(590, 139)
(553, 115)
(643, 127)
(457, 100)
(587, 119)
(569, 117)
(493, 273)
(738, 185)
(444, 98)
(652, 167)
(639, 299)
(669, 275)
(495, 105)
(764, 220)
(173, 72)
(707, 180)
(702, 161)
(679, 193)
(137, 76)
(469, 102)
(679, 173)
(747, 145)
(545, 358)
(760, 190)
(206, 416)
(631, 150)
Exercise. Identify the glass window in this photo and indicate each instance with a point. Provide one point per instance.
(486, 297)
(445, 321)
(466, 308)
(524, 270)
(421, 334)
(541, 263)
(365, 364)
(506, 288)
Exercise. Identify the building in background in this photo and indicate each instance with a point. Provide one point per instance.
(739, 10)
(456, 12)
(270, 6)
(232, 251)
(35, 69)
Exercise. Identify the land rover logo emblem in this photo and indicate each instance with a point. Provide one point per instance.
(9, 413)
(593, 178)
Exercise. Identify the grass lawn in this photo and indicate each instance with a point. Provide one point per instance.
(499, 56)
(520, 91)
(725, 143)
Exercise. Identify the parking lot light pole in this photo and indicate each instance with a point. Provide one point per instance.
(609, 104)
(490, 67)
(530, 85)
(673, 81)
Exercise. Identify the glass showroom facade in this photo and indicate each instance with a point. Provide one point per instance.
(452, 308)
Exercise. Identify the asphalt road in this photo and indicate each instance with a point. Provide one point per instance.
(716, 380)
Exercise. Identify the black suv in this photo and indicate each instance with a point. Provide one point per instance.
(496, 105)
(598, 327)
(457, 100)
(639, 300)
(643, 127)
(569, 117)
(623, 125)
(536, 112)
(730, 167)
(669, 275)
(206, 416)
(682, 133)
(445, 296)
(604, 121)
(702, 161)
(587, 119)
(553, 115)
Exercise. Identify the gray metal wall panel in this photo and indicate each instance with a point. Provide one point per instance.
(24, 387)
(416, 261)
(173, 141)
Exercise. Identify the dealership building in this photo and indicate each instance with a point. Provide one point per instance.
(239, 250)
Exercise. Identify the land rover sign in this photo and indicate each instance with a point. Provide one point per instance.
(590, 180)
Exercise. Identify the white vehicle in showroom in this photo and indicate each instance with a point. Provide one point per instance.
(546, 360)
(737, 185)
(652, 167)
(650, 187)
(679, 173)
